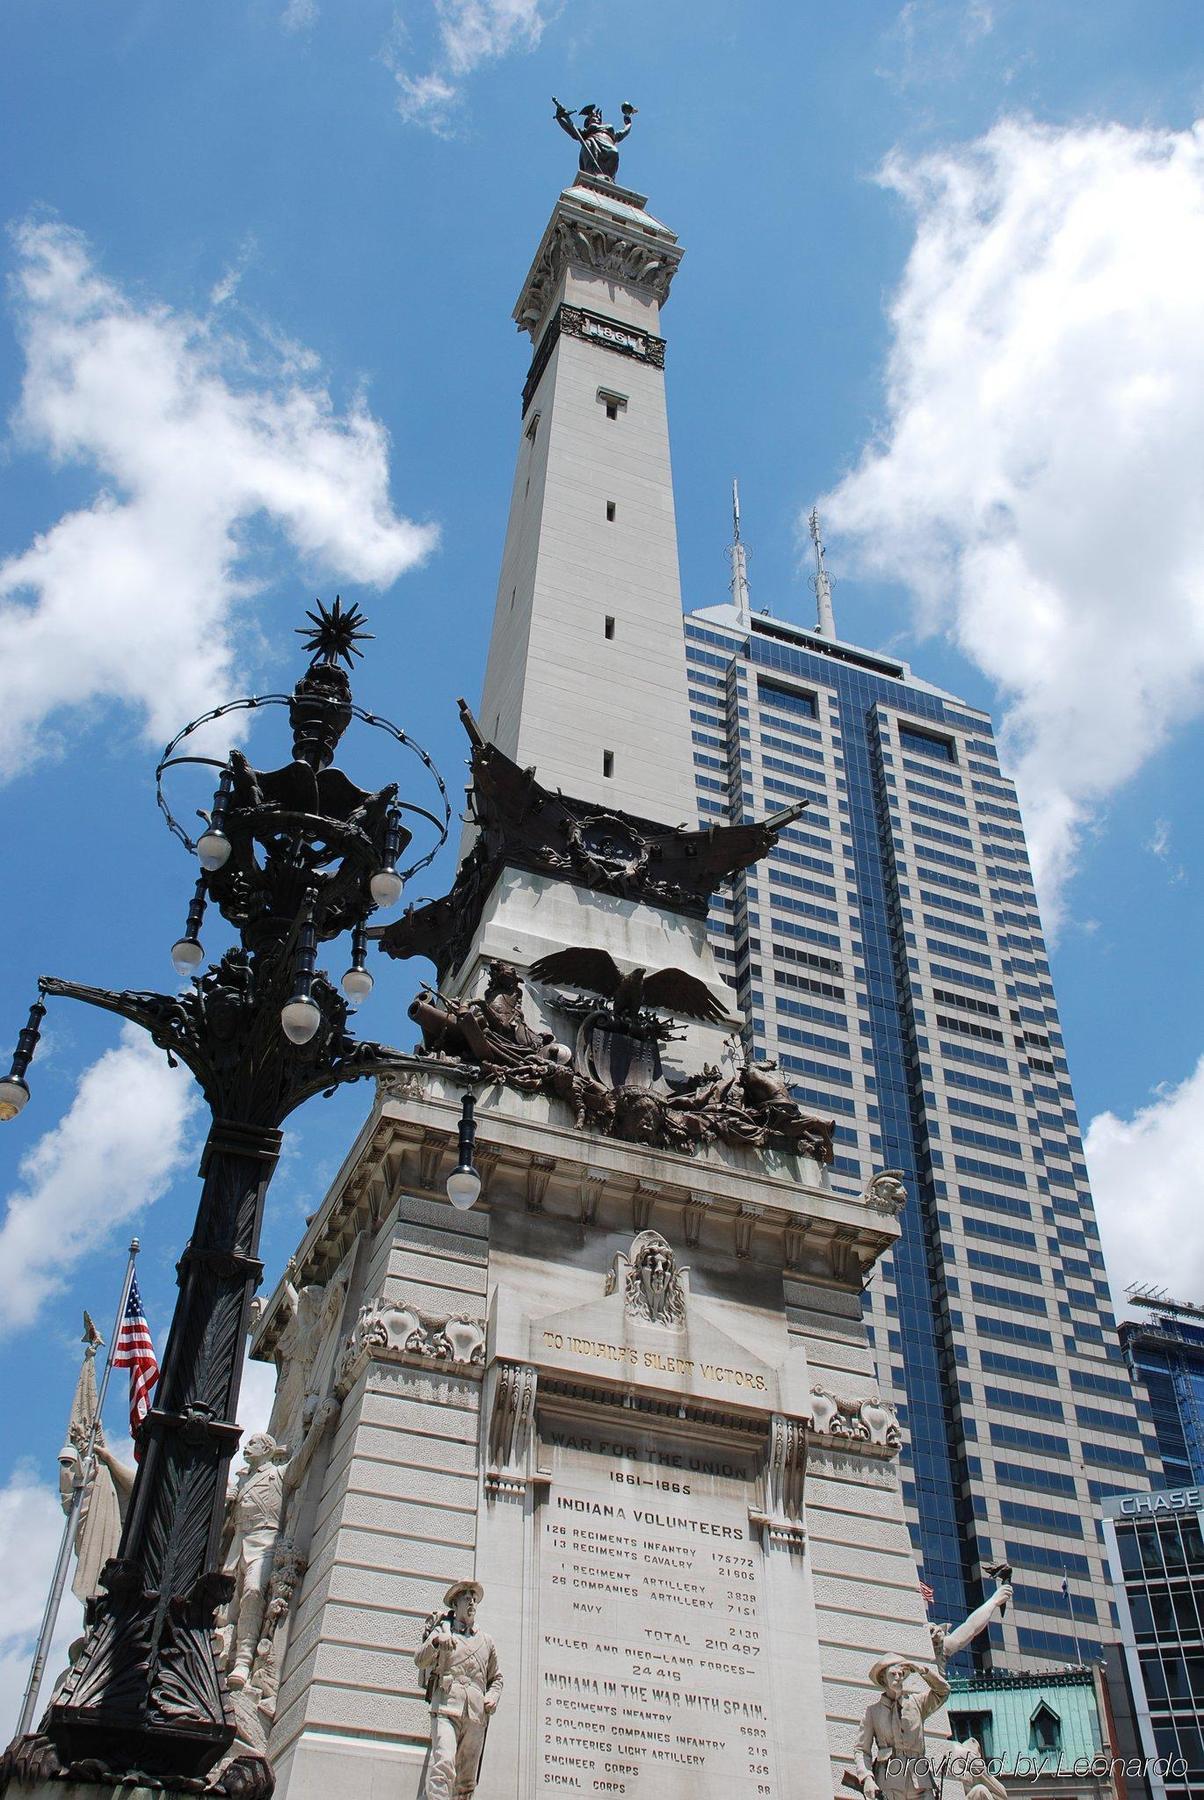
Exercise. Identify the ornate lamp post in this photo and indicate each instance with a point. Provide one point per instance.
(292, 858)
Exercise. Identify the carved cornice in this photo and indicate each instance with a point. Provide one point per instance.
(627, 246)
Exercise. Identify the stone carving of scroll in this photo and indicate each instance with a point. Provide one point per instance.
(653, 1289)
(869, 1422)
(393, 1330)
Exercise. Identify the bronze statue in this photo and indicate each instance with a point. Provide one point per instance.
(599, 141)
(491, 1031)
(523, 825)
(597, 970)
(614, 1081)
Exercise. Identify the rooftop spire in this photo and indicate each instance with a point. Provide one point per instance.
(821, 582)
(739, 565)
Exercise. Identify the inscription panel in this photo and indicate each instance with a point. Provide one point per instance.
(653, 1653)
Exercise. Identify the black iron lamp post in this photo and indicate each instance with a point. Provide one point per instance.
(292, 858)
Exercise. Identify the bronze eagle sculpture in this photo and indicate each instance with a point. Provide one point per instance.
(630, 995)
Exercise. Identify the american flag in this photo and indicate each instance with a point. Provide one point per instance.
(928, 1594)
(135, 1352)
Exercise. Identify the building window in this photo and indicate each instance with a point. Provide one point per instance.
(1045, 1729)
(614, 403)
(609, 627)
(926, 743)
(532, 428)
(610, 512)
(775, 693)
(608, 763)
(976, 1725)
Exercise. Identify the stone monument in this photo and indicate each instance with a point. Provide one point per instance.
(630, 1390)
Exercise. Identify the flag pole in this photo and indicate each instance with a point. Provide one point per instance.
(59, 1579)
(1074, 1623)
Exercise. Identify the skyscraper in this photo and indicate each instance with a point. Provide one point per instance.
(1165, 1354)
(890, 955)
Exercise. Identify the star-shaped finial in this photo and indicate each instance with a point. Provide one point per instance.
(335, 633)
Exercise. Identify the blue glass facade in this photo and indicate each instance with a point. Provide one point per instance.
(896, 1075)
(1166, 1356)
(889, 952)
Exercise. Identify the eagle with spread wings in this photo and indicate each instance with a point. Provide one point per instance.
(630, 995)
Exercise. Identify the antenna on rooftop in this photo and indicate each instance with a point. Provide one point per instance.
(821, 582)
(739, 558)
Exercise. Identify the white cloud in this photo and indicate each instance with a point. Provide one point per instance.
(929, 41)
(1036, 482)
(470, 32)
(299, 15)
(255, 1396)
(194, 435)
(31, 1527)
(1145, 1175)
(115, 1150)
(1159, 845)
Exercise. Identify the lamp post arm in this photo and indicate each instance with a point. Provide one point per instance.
(164, 1017)
(362, 1062)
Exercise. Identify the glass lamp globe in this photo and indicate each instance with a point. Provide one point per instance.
(300, 1019)
(385, 887)
(13, 1095)
(463, 1188)
(357, 984)
(186, 955)
(213, 849)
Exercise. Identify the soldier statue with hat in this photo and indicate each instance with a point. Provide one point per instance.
(463, 1685)
(890, 1758)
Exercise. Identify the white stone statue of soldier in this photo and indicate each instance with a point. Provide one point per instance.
(253, 1520)
(947, 1640)
(890, 1757)
(459, 1666)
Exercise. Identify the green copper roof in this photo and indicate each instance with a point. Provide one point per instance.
(1012, 1703)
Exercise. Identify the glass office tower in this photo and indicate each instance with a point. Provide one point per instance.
(889, 954)
(1165, 1354)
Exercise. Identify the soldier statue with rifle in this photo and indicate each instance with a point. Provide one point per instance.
(463, 1685)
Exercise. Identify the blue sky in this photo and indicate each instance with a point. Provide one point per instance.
(945, 268)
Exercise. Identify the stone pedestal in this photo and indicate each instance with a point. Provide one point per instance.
(631, 1393)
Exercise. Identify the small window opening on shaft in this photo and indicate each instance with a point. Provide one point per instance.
(609, 627)
(608, 762)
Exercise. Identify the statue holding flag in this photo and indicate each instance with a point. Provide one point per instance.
(94, 1486)
(103, 1487)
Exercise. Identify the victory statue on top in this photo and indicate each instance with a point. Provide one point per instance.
(599, 141)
